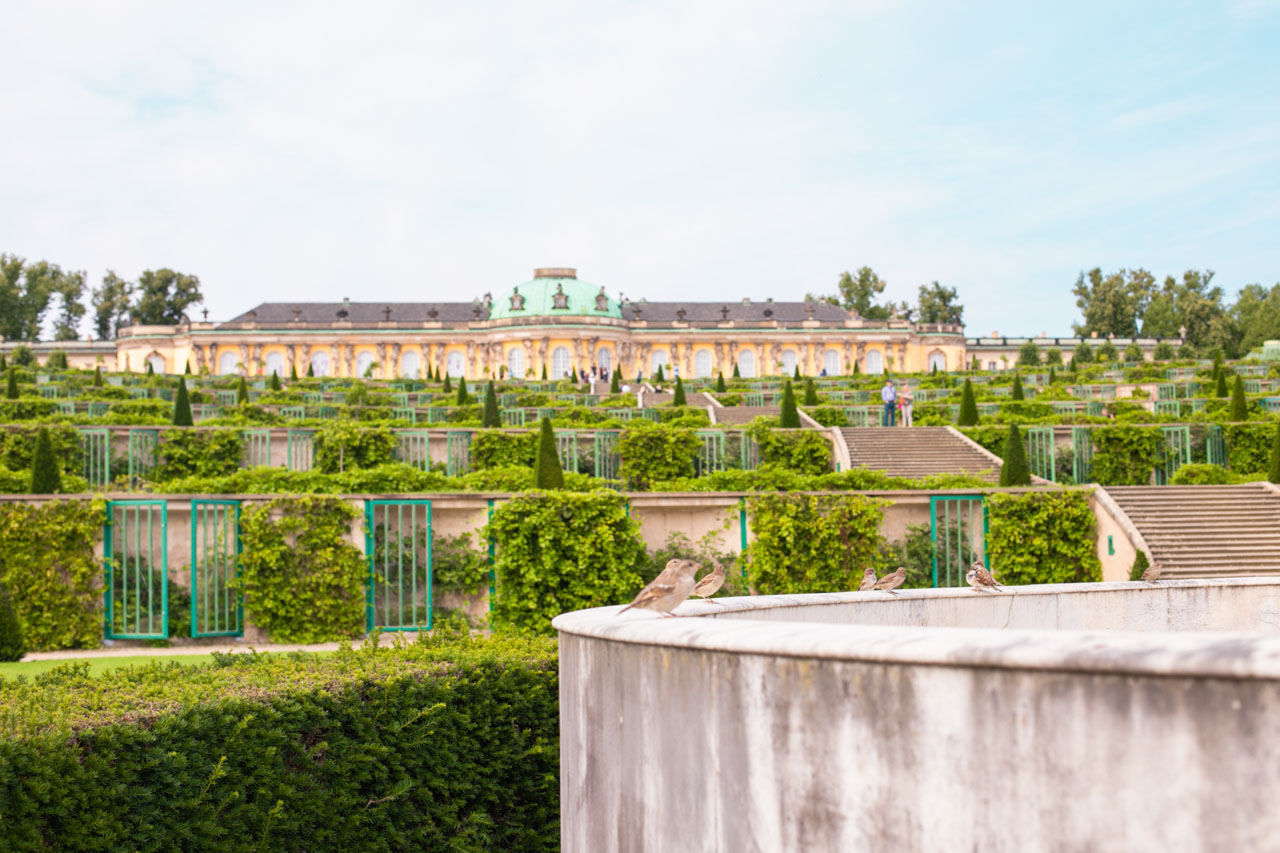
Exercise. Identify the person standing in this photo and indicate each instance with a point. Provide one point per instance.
(889, 395)
(906, 401)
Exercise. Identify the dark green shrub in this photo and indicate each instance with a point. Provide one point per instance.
(1014, 472)
(810, 393)
(448, 384)
(492, 418)
(343, 445)
(502, 449)
(736, 374)
(46, 476)
(23, 357)
(811, 543)
(1108, 351)
(968, 406)
(1202, 474)
(1125, 455)
(198, 453)
(1273, 470)
(1083, 353)
(1042, 537)
(615, 382)
(11, 385)
(561, 551)
(1140, 565)
(657, 377)
(721, 387)
(678, 399)
(12, 646)
(651, 452)
(275, 382)
(1239, 406)
(790, 417)
(182, 405)
(1220, 385)
(806, 452)
(57, 360)
(97, 377)
(548, 474)
(1248, 446)
(242, 392)
(1163, 352)
(1017, 393)
(463, 397)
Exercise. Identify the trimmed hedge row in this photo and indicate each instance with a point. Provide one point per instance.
(444, 745)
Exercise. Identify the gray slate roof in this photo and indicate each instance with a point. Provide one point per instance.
(713, 312)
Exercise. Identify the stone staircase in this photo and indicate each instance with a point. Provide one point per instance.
(745, 414)
(1206, 531)
(695, 399)
(917, 451)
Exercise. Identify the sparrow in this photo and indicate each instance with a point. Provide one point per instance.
(1152, 574)
(710, 583)
(979, 578)
(868, 579)
(891, 581)
(665, 592)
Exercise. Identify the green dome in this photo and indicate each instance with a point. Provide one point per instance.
(549, 288)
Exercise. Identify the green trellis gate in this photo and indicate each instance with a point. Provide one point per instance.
(958, 529)
(398, 545)
(135, 553)
(217, 606)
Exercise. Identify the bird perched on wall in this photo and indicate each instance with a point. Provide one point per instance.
(868, 579)
(1153, 572)
(891, 581)
(665, 592)
(710, 583)
(979, 578)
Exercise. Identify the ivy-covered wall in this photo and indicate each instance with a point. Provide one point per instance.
(1042, 537)
(812, 543)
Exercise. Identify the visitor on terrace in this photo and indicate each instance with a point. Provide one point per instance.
(906, 402)
(890, 396)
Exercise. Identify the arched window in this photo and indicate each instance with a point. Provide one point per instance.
(604, 358)
(227, 363)
(701, 364)
(875, 361)
(747, 364)
(788, 362)
(560, 363)
(157, 363)
(275, 364)
(658, 358)
(453, 363)
(410, 365)
(320, 363)
(937, 360)
(831, 362)
(364, 361)
(515, 362)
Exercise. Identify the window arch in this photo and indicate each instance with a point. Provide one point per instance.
(788, 362)
(364, 361)
(227, 363)
(157, 363)
(937, 360)
(410, 365)
(604, 358)
(701, 364)
(320, 363)
(515, 362)
(560, 364)
(831, 362)
(659, 358)
(875, 361)
(453, 363)
(747, 364)
(275, 364)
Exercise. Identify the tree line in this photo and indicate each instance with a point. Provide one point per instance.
(30, 290)
(1129, 303)
(860, 292)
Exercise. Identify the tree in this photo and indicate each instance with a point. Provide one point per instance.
(97, 377)
(1112, 304)
(858, 292)
(544, 371)
(1083, 354)
(721, 387)
(11, 386)
(46, 476)
(1014, 472)
(1108, 352)
(810, 393)
(790, 417)
(1053, 375)
(547, 474)
(1256, 314)
(492, 418)
(242, 392)
(796, 374)
(448, 384)
(1017, 393)
(657, 377)
(110, 302)
(71, 310)
(1191, 303)
(1029, 354)
(182, 405)
(163, 296)
(968, 406)
(57, 360)
(1133, 352)
(23, 356)
(293, 371)
(678, 399)
(1164, 351)
(1053, 355)
(311, 370)
(1273, 471)
(463, 397)
(736, 375)
(1220, 389)
(186, 369)
(615, 383)
(12, 646)
(937, 304)
(1239, 405)
(25, 293)
(275, 381)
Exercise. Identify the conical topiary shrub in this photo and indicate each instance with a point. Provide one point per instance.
(293, 373)
(275, 381)
(150, 370)
(1140, 565)
(1220, 390)
(720, 386)
(657, 377)
(544, 371)
(796, 375)
(736, 374)
(448, 384)
(11, 386)
(1017, 392)
(182, 405)
(492, 418)
(46, 476)
(463, 397)
(4, 365)
(810, 393)
(311, 371)
(678, 398)
(790, 418)
(1014, 472)
(97, 377)
(547, 473)
(968, 406)
(1053, 376)
(1273, 473)
(12, 646)
(186, 369)
(242, 392)
(1239, 405)
(615, 384)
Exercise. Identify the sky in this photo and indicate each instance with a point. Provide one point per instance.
(688, 150)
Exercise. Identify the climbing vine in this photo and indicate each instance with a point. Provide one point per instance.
(812, 543)
(651, 452)
(199, 453)
(498, 449)
(803, 451)
(345, 444)
(1042, 537)
(1125, 455)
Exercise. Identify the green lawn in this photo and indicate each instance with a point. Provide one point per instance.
(97, 666)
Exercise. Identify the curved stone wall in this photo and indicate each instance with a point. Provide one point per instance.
(1119, 717)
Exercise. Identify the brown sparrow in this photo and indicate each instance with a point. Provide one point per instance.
(665, 592)
(868, 579)
(710, 583)
(979, 578)
(891, 581)
(1152, 574)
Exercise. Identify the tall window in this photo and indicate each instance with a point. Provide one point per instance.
(515, 362)
(937, 360)
(875, 361)
(604, 358)
(656, 359)
(831, 362)
(453, 363)
(410, 365)
(227, 363)
(560, 363)
(275, 364)
(320, 363)
(157, 363)
(747, 364)
(701, 364)
(364, 361)
(788, 362)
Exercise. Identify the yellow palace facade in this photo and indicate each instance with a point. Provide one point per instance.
(556, 321)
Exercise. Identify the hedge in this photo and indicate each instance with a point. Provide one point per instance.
(1042, 537)
(443, 745)
(812, 543)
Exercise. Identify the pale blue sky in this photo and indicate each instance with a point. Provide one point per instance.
(672, 150)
